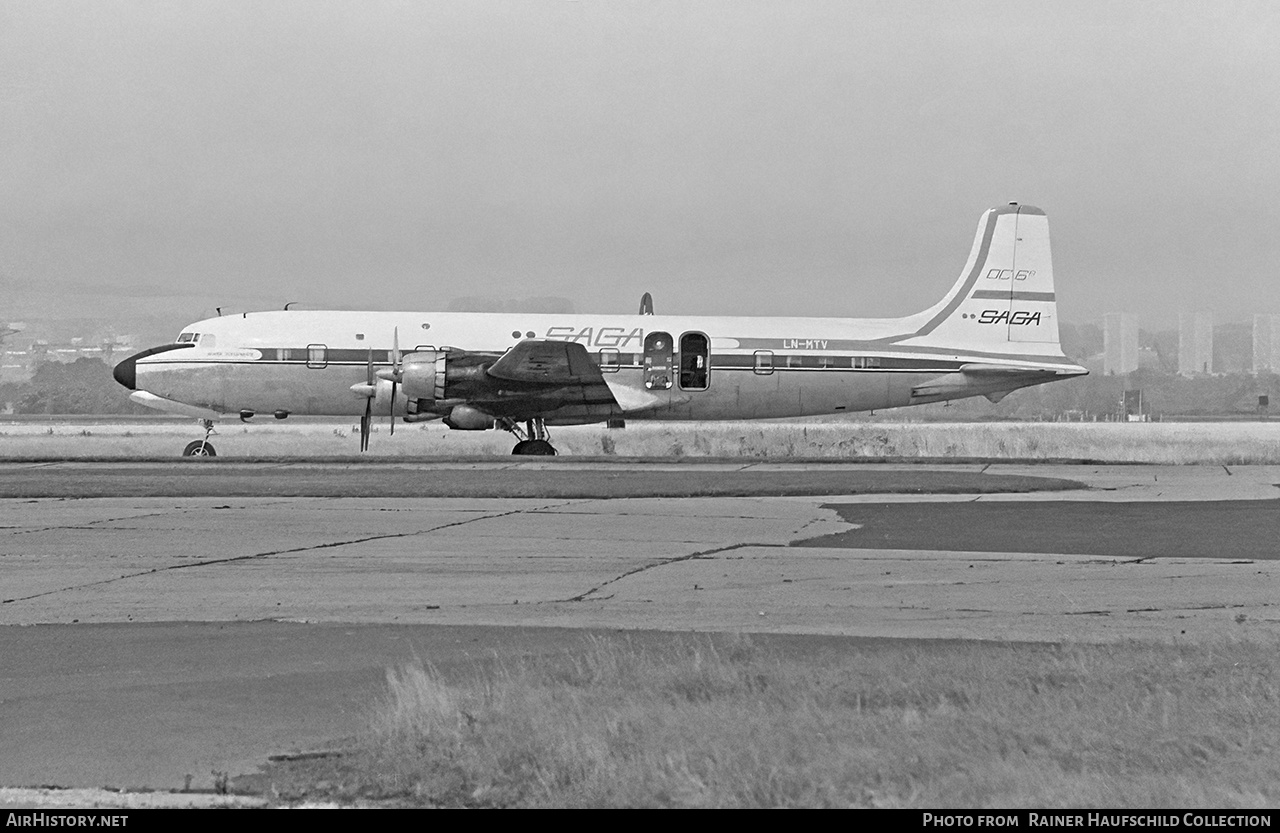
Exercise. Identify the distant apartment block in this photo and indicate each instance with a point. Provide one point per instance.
(1266, 344)
(1120, 343)
(1195, 343)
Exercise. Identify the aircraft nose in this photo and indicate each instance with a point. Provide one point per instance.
(126, 373)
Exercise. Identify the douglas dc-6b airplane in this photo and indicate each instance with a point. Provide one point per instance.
(994, 332)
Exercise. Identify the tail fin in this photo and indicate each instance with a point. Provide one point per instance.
(1004, 300)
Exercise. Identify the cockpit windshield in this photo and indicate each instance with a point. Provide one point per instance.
(188, 337)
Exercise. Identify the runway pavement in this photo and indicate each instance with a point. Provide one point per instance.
(194, 635)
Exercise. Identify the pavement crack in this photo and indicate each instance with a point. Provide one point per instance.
(34, 530)
(239, 558)
(582, 597)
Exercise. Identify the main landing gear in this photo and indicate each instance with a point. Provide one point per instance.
(533, 440)
(201, 448)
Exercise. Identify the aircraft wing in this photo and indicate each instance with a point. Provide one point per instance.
(547, 363)
(541, 376)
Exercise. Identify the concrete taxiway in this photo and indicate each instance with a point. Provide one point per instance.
(183, 636)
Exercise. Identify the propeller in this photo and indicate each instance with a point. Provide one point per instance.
(395, 376)
(366, 421)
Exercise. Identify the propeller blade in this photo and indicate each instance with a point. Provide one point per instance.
(393, 376)
(392, 412)
(366, 423)
(395, 373)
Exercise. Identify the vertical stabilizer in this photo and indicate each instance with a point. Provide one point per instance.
(1004, 301)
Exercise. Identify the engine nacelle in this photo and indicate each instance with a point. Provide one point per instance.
(423, 375)
(436, 381)
(467, 418)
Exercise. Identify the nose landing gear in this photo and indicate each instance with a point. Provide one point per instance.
(201, 448)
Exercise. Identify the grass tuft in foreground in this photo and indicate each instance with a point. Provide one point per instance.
(730, 723)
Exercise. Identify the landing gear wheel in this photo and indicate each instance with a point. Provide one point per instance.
(199, 448)
(532, 441)
(534, 447)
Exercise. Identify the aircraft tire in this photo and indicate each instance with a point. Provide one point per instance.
(535, 447)
(199, 448)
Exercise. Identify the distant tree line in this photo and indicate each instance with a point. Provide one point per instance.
(84, 386)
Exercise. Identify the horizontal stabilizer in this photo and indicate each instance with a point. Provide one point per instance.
(1002, 371)
(991, 381)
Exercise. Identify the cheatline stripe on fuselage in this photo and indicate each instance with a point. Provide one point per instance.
(781, 362)
(621, 359)
(840, 348)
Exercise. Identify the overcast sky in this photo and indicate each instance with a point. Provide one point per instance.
(810, 158)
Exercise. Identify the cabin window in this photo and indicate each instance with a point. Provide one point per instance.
(658, 356)
(609, 360)
(317, 356)
(864, 362)
(694, 361)
(764, 362)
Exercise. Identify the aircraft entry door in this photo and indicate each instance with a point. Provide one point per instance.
(695, 361)
(657, 361)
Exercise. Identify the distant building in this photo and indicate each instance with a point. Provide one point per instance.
(1195, 343)
(1120, 343)
(1266, 344)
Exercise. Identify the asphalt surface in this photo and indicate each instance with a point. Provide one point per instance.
(568, 478)
(148, 639)
(1166, 529)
